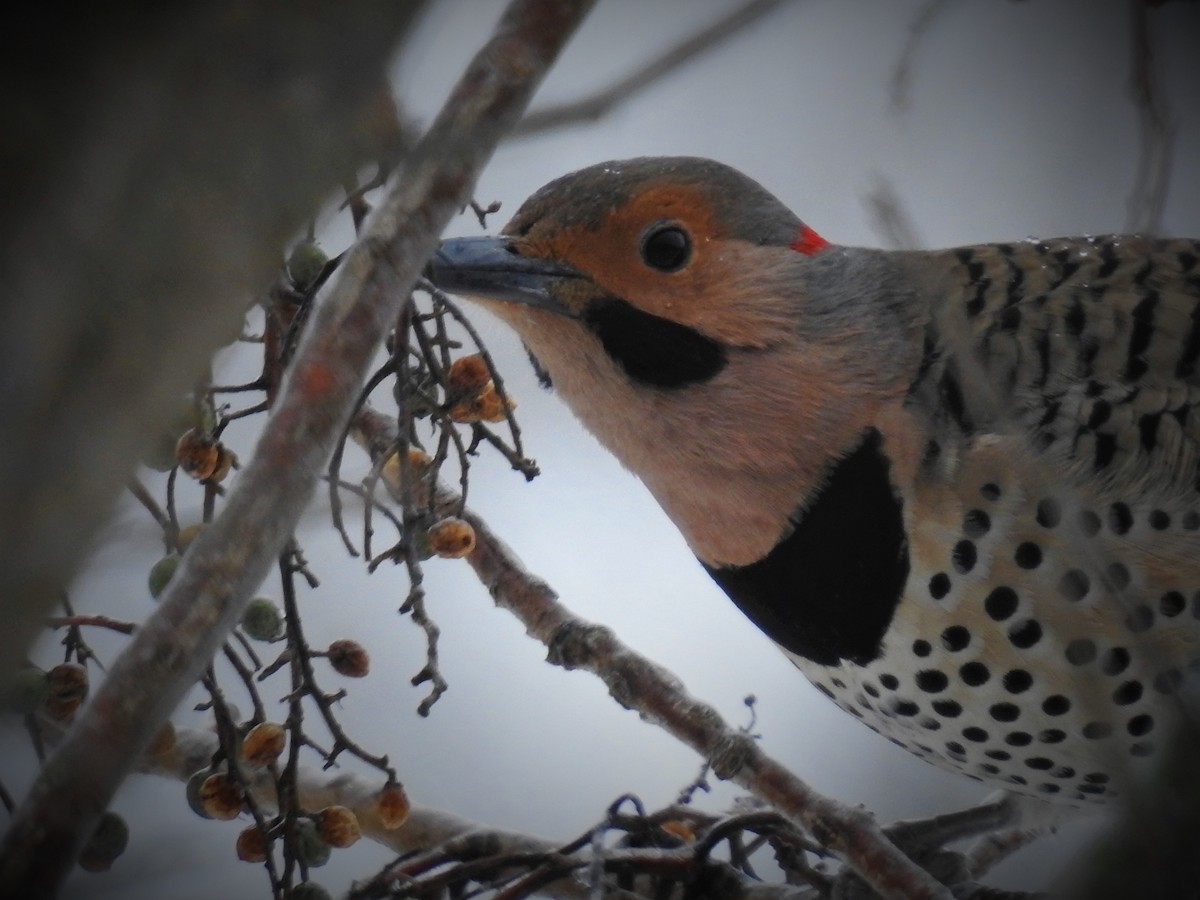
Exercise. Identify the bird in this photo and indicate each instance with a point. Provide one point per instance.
(960, 488)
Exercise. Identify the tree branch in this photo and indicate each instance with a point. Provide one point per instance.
(599, 104)
(231, 557)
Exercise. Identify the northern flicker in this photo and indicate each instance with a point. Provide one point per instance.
(958, 487)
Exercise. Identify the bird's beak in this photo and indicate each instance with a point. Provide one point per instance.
(489, 268)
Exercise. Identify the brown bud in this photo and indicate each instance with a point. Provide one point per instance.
(337, 826)
(263, 743)
(252, 845)
(349, 658)
(451, 538)
(392, 806)
(221, 797)
(68, 688)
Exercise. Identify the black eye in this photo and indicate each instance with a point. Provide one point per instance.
(667, 248)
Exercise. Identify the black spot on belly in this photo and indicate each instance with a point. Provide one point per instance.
(828, 590)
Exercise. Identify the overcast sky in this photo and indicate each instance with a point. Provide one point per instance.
(1018, 123)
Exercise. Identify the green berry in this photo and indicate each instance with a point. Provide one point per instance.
(262, 620)
(311, 848)
(161, 573)
(305, 264)
(107, 842)
(310, 890)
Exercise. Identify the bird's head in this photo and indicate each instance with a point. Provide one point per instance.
(668, 262)
(694, 324)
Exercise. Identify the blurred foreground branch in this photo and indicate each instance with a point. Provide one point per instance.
(230, 558)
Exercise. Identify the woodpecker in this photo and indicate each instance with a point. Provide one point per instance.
(959, 488)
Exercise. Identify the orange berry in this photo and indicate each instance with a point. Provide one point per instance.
(337, 826)
(392, 806)
(263, 743)
(221, 797)
(451, 538)
(468, 375)
(68, 688)
(252, 845)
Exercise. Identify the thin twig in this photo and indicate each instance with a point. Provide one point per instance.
(599, 104)
(917, 30)
(1156, 130)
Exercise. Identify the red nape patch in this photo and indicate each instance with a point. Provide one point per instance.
(809, 241)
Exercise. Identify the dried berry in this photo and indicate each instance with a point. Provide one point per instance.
(222, 797)
(468, 375)
(262, 620)
(451, 538)
(349, 658)
(252, 845)
(419, 465)
(106, 844)
(263, 743)
(202, 457)
(67, 688)
(192, 790)
(338, 826)
(485, 406)
(392, 806)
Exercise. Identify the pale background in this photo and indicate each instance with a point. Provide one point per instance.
(1019, 123)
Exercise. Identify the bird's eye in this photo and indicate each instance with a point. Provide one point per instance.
(667, 248)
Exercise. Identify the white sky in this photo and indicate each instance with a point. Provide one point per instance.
(1018, 124)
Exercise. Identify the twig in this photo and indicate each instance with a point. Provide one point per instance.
(1156, 131)
(599, 104)
(891, 220)
(917, 29)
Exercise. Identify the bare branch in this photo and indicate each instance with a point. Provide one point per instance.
(917, 30)
(890, 219)
(228, 561)
(599, 104)
(1156, 130)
